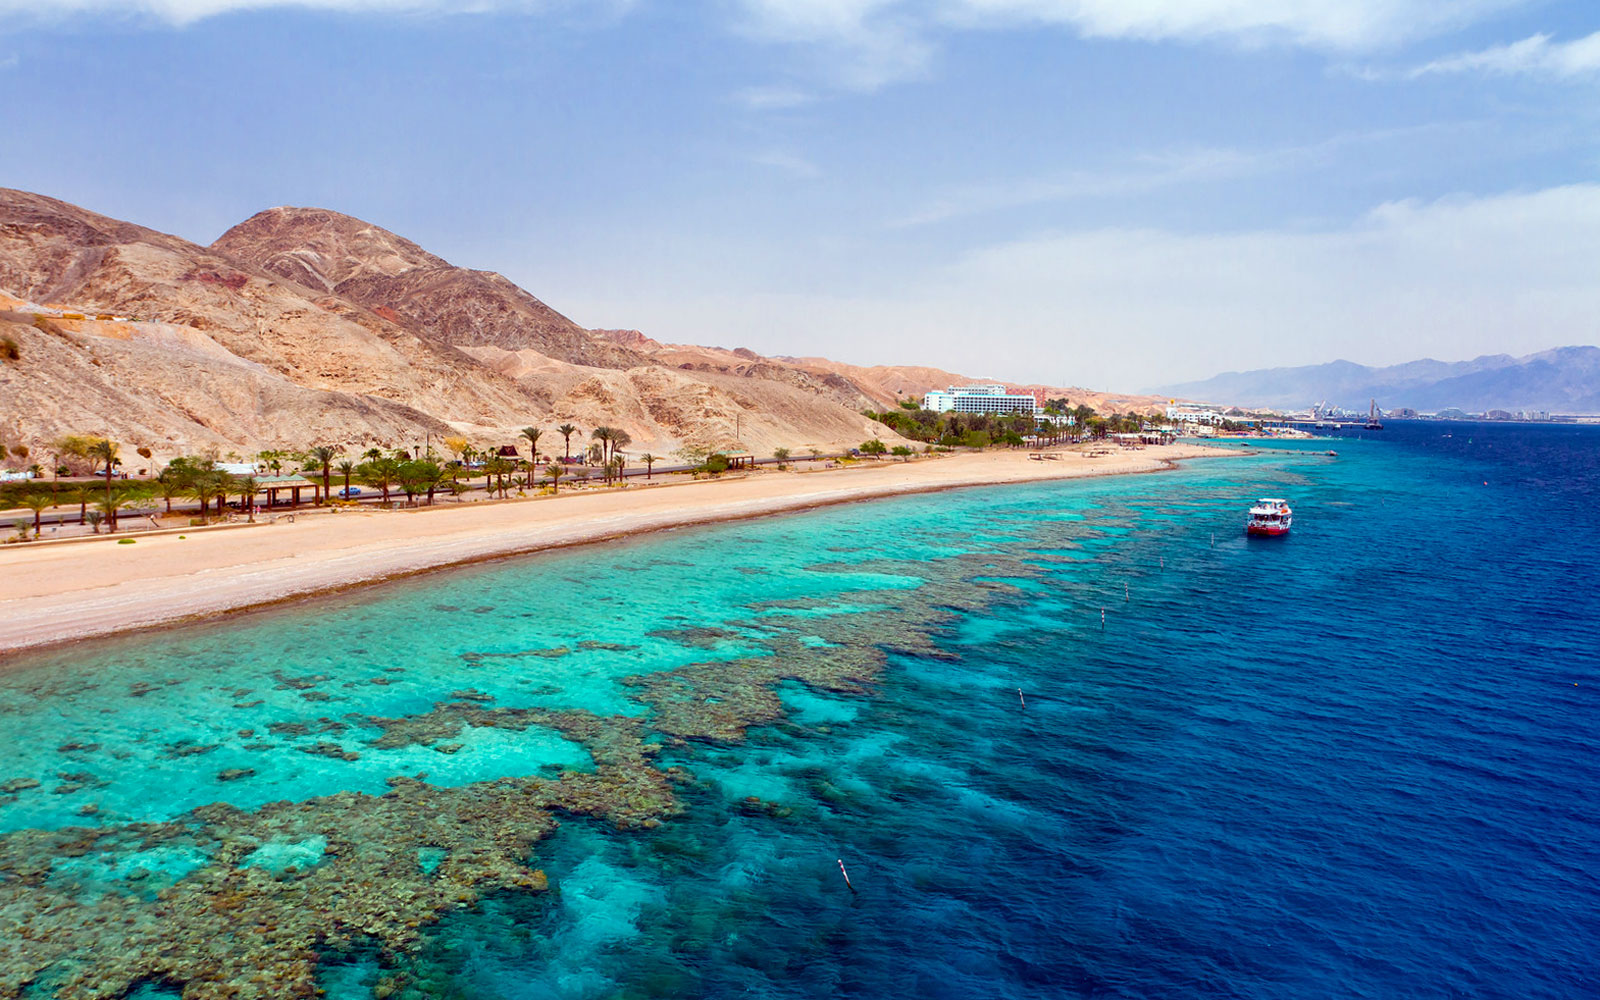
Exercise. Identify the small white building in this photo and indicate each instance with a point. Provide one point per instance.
(980, 399)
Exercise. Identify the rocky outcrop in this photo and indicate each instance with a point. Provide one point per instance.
(369, 265)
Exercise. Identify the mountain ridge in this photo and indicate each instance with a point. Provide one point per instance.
(1558, 380)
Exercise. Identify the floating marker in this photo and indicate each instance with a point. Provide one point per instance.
(1213, 539)
(1163, 564)
(1125, 595)
(846, 875)
(1102, 617)
(1025, 701)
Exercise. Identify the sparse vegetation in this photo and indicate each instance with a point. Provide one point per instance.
(10, 350)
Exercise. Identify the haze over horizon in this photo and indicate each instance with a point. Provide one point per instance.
(1077, 192)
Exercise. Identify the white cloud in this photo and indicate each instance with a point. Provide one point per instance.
(1340, 24)
(1152, 172)
(1130, 308)
(859, 44)
(795, 166)
(10, 62)
(1534, 56)
(775, 98)
(869, 43)
(185, 12)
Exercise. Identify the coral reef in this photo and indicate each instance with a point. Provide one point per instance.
(223, 902)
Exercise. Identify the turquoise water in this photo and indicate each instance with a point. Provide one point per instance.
(1357, 761)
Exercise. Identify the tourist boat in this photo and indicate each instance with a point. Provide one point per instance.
(1270, 517)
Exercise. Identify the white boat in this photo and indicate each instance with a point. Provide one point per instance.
(1270, 517)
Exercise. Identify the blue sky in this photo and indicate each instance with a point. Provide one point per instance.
(1112, 193)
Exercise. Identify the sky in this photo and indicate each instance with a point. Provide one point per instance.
(1119, 194)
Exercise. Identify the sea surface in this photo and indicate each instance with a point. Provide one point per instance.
(1081, 739)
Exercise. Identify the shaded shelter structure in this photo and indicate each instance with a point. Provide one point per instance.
(273, 485)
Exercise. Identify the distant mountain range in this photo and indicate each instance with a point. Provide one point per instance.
(1563, 380)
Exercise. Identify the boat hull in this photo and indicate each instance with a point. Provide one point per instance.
(1266, 530)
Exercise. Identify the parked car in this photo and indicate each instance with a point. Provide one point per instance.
(349, 491)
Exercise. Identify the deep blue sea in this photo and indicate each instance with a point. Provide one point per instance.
(1359, 761)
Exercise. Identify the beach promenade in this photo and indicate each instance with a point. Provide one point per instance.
(55, 593)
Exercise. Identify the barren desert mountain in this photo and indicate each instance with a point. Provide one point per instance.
(157, 342)
(399, 280)
(745, 363)
(62, 260)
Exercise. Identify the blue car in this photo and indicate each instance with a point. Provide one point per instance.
(349, 491)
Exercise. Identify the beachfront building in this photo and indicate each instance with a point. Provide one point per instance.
(1183, 413)
(981, 399)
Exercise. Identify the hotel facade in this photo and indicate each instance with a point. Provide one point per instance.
(981, 399)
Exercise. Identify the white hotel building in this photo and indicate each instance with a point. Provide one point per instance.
(1179, 413)
(980, 399)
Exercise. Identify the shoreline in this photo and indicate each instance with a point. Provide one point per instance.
(55, 596)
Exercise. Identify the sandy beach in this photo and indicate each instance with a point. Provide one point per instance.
(55, 593)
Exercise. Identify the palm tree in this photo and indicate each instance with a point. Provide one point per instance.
(497, 469)
(126, 495)
(567, 430)
(80, 495)
(105, 450)
(171, 483)
(379, 472)
(649, 460)
(346, 469)
(248, 486)
(322, 457)
(603, 435)
(203, 486)
(38, 503)
(372, 454)
(554, 471)
(532, 434)
(619, 441)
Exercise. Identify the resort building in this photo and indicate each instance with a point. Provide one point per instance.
(981, 399)
(1180, 413)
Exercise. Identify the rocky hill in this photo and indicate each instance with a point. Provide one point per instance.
(334, 253)
(302, 326)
